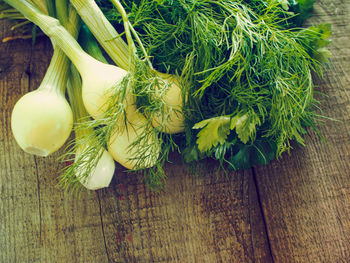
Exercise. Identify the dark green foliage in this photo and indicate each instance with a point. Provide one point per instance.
(302, 9)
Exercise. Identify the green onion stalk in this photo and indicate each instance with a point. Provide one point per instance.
(162, 94)
(93, 166)
(139, 145)
(42, 119)
(97, 77)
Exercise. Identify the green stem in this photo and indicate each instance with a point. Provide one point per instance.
(41, 4)
(103, 31)
(50, 8)
(57, 73)
(131, 44)
(79, 112)
(58, 34)
(89, 44)
(62, 11)
(128, 28)
(141, 45)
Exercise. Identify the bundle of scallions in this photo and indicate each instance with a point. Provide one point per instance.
(230, 80)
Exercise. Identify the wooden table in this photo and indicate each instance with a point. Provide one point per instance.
(296, 209)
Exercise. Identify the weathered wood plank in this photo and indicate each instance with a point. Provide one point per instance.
(306, 196)
(193, 220)
(200, 219)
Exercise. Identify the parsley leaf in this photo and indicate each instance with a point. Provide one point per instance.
(315, 39)
(302, 9)
(213, 131)
(245, 125)
(322, 32)
(244, 156)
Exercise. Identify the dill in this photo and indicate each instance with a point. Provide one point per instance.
(240, 57)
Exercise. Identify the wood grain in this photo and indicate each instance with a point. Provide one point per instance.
(195, 219)
(296, 209)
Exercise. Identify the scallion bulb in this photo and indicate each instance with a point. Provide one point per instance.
(42, 120)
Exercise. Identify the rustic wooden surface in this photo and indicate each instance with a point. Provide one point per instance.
(296, 209)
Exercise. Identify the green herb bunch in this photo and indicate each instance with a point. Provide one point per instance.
(244, 69)
(248, 66)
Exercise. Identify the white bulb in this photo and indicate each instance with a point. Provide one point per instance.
(172, 119)
(98, 80)
(101, 175)
(41, 122)
(121, 147)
